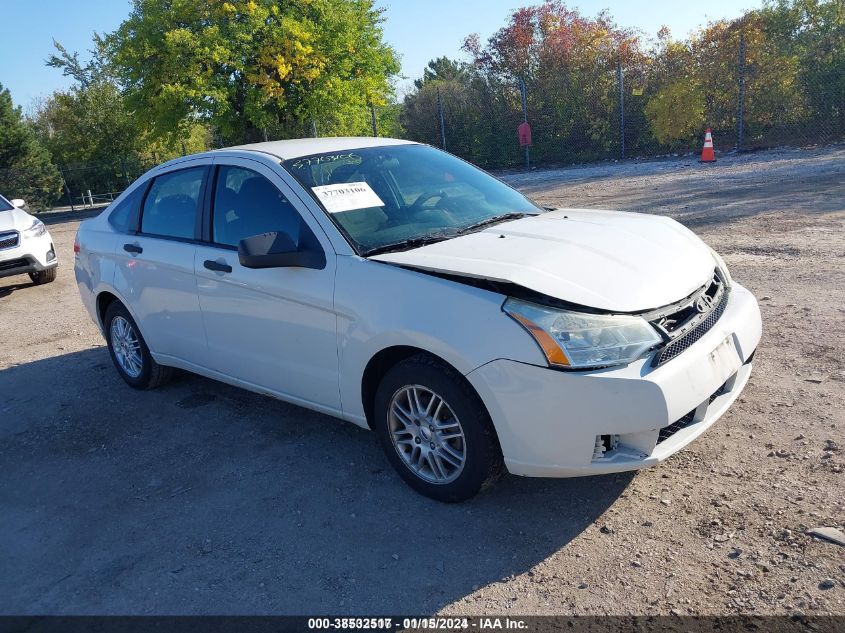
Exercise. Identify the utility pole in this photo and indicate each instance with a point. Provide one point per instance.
(740, 115)
(373, 116)
(522, 91)
(67, 189)
(620, 79)
(442, 121)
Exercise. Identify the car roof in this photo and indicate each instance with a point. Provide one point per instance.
(295, 148)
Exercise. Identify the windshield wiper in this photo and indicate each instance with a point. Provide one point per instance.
(514, 215)
(410, 243)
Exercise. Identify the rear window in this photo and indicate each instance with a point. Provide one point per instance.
(170, 209)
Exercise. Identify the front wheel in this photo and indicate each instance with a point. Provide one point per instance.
(129, 351)
(44, 276)
(435, 430)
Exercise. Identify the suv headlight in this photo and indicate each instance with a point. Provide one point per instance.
(576, 340)
(37, 229)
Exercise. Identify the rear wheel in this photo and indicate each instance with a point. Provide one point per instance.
(130, 353)
(435, 430)
(44, 276)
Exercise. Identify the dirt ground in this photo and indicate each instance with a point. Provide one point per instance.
(201, 498)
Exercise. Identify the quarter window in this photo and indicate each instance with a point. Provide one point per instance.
(124, 214)
(247, 204)
(170, 209)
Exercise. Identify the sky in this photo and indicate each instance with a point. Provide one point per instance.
(419, 30)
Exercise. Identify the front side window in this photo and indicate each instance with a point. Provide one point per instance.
(385, 197)
(247, 204)
(170, 209)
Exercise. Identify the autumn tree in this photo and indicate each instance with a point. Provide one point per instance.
(253, 67)
(568, 63)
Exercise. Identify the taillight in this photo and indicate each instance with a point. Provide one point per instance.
(76, 244)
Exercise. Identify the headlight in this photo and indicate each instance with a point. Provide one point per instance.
(37, 229)
(576, 340)
(723, 269)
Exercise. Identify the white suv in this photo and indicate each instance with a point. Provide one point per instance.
(400, 288)
(25, 244)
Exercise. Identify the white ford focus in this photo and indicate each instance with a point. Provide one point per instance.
(395, 286)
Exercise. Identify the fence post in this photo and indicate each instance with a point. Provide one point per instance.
(67, 189)
(373, 118)
(123, 169)
(740, 115)
(620, 79)
(442, 121)
(524, 96)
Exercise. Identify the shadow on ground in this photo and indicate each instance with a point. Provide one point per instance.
(202, 498)
(13, 284)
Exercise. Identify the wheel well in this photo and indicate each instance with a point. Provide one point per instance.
(104, 300)
(378, 366)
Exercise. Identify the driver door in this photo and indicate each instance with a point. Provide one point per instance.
(273, 328)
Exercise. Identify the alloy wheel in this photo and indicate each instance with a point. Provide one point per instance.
(427, 434)
(126, 347)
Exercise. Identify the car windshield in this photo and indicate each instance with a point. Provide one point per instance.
(399, 196)
(5, 205)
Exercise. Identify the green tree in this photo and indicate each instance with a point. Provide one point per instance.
(250, 67)
(25, 167)
(94, 135)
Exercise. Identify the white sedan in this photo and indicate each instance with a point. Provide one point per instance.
(400, 288)
(25, 244)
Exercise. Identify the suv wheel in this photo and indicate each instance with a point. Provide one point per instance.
(130, 353)
(435, 430)
(44, 276)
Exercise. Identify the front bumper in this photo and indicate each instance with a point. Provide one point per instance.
(560, 424)
(31, 255)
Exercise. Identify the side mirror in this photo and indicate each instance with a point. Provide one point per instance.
(277, 250)
(19, 203)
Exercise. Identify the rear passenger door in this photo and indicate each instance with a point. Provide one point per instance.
(155, 269)
(273, 328)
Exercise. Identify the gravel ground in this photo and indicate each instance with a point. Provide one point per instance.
(201, 498)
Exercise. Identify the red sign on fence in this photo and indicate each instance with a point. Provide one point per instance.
(524, 133)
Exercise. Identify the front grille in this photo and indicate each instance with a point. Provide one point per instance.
(688, 420)
(675, 347)
(9, 239)
(668, 431)
(11, 264)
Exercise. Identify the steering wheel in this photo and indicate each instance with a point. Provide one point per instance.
(431, 194)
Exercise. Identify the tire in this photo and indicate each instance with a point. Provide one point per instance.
(44, 276)
(436, 476)
(149, 374)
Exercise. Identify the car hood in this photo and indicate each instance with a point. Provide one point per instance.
(609, 260)
(15, 220)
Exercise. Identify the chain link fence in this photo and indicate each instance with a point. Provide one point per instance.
(738, 79)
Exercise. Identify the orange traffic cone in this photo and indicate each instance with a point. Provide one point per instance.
(708, 155)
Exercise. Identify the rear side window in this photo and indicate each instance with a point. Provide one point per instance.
(247, 204)
(170, 209)
(124, 214)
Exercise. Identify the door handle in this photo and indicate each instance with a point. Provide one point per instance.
(133, 248)
(220, 267)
